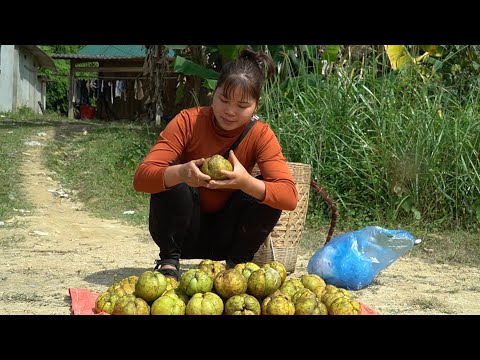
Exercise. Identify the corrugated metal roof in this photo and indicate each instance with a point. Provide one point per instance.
(110, 52)
(106, 52)
(91, 57)
(113, 50)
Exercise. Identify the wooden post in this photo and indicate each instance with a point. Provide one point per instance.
(71, 92)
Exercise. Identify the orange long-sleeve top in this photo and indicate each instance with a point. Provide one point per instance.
(193, 134)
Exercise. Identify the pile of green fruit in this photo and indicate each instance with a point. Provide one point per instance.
(211, 289)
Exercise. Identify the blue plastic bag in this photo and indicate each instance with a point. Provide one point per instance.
(353, 260)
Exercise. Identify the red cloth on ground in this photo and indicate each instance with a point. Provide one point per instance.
(367, 311)
(83, 303)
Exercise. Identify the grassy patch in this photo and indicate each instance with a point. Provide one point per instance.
(12, 242)
(445, 247)
(474, 289)
(19, 297)
(431, 304)
(98, 162)
(459, 247)
(13, 135)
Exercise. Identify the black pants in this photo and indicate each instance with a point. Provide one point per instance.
(182, 231)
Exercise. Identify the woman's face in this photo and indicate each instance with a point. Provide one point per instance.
(231, 113)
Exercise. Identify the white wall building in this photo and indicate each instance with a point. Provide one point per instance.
(20, 82)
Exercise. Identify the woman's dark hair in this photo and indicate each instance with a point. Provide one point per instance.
(247, 72)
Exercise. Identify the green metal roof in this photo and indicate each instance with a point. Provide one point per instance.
(113, 50)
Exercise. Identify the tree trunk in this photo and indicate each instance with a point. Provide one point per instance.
(155, 67)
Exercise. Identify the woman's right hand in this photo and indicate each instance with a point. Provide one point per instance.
(191, 174)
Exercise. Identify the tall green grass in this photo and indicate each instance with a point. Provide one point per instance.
(390, 148)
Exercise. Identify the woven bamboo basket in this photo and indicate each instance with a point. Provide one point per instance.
(281, 245)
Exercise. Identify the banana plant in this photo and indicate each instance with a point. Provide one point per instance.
(400, 59)
(217, 54)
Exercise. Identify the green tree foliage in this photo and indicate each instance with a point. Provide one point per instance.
(57, 86)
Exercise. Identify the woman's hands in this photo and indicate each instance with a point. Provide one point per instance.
(237, 179)
(190, 174)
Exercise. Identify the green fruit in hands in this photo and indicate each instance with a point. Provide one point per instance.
(214, 164)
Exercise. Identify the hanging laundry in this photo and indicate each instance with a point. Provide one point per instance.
(120, 88)
(96, 88)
